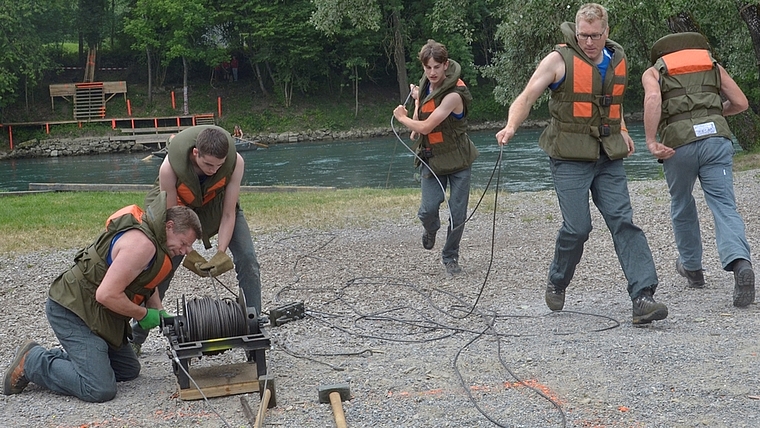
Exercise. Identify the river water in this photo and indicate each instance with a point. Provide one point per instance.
(375, 163)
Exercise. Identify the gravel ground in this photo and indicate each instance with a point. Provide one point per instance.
(384, 317)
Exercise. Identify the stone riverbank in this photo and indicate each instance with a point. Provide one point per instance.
(55, 147)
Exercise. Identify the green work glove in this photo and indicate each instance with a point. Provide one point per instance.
(192, 261)
(218, 264)
(165, 314)
(151, 319)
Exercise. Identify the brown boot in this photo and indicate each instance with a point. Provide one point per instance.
(15, 381)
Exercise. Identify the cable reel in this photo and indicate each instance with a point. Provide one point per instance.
(209, 326)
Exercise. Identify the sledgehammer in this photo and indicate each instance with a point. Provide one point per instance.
(335, 395)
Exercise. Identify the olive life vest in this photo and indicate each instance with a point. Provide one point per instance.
(75, 288)
(586, 112)
(690, 86)
(207, 198)
(448, 148)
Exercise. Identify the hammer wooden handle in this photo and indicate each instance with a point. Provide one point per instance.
(263, 408)
(337, 408)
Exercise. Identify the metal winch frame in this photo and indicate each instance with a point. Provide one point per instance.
(181, 348)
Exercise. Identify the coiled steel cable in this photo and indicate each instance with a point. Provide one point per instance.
(209, 318)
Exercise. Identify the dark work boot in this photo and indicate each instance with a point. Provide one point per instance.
(695, 278)
(555, 297)
(452, 267)
(744, 283)
(646, 310)
(428, 240)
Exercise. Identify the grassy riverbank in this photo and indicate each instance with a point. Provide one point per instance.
(54, 221)
(72, 219)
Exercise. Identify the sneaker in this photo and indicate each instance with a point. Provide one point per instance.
(136, 347)
(696, 279)
(452, 267)
(15, 381)
(646, 310)
(428, 240)
(555, 297)
(744, 283)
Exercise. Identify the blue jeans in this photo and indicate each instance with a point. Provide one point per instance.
(607, 182)
(246, 268)
(433, 195)
(711, 161)
(86, 367)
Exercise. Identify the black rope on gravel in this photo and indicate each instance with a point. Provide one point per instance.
(519, 380)
(426, 325)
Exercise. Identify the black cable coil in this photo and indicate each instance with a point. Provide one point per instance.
(209, 318)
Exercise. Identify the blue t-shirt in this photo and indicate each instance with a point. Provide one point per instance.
(602, 66)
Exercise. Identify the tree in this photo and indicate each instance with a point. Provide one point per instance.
(368, 15)
(401, 21)
(279, 37)
(30, 30)
(528, 31)
(178, 29)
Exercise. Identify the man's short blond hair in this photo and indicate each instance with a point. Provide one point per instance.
(591, 12)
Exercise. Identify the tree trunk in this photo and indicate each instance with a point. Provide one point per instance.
(356, 92)
(258, 76)
(749, 13)
(399, 57)
(271, 75)
(150, 77)
(186, 106)
(746, 126)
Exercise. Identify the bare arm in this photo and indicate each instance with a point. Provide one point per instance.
(736, 102)
(450, 103)
(550, 70)
(650, 80)
(231, 195)
(167, 182)
(131, 254)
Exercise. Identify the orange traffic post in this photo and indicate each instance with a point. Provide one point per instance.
(113, 123)
(174, 103)
(219, 106)
(10, 135)
(129, 108)
(155, 122)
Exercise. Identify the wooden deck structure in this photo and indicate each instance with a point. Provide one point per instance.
(68, 91)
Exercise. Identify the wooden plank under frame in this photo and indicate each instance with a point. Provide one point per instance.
(221, 381)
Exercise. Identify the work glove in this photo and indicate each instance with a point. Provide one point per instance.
(151, 319)
(192, 261)
(218, 264)
(165, 314)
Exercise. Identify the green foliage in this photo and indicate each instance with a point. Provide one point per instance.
(91, 19)
(484, 106)
(306, 49)
(28, 27)
(528, 32)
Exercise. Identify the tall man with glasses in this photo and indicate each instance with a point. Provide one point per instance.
(586, 141)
